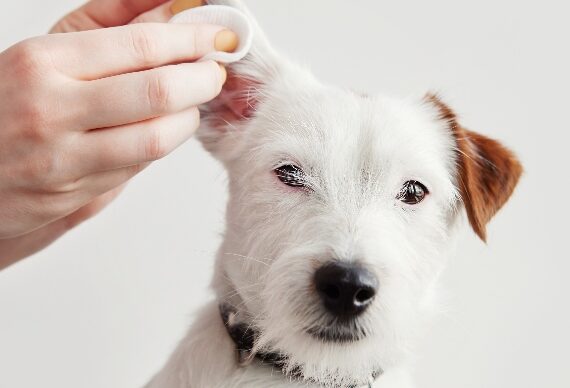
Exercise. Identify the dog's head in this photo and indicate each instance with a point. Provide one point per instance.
(342, 208)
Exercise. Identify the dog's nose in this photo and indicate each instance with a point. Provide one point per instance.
(346, 289)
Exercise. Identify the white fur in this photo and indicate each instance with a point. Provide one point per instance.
(357, 151)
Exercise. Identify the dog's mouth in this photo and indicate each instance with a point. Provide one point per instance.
(244, 337)
(340, 332)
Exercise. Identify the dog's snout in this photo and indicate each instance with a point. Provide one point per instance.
(346, 289)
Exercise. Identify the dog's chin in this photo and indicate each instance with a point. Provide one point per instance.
(323, 377)
(337, 355)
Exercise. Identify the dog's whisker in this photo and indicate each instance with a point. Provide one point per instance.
(239, 290)
(253, 321)
(260, 261)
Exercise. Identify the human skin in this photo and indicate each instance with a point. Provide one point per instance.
(86, 108)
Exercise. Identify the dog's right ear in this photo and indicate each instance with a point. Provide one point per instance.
(224, 118)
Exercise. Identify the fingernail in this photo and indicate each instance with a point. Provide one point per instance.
(226, 40)
(224, 73)
(182, 5)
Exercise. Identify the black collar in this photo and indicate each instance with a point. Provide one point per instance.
(244, 337)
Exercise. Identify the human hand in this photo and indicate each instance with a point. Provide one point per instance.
(111, 13)
(86, 111)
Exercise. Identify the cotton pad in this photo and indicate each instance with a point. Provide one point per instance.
(225, 16)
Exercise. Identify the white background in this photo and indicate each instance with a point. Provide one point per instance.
(105, 305)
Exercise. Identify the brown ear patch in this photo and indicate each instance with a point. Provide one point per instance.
(487, 171)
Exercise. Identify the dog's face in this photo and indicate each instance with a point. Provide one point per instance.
(342, 210)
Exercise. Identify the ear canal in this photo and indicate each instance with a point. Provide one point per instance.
(487, 171)
(236, 102)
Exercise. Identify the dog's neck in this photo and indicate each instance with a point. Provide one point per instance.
(244, 336)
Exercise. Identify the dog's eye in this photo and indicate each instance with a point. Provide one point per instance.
(291, 175)
(412, 193)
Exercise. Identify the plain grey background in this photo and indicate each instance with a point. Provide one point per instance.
(104, 306)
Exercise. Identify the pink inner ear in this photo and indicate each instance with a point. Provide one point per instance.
(237, 102)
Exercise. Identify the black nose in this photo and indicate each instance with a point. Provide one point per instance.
(346, 289)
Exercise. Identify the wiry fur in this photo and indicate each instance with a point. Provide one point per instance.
(357, 152)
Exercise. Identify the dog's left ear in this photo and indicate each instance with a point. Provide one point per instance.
(487, 171)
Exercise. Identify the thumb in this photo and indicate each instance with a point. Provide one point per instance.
(104, 13)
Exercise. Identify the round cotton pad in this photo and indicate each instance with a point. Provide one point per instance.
(225, 16)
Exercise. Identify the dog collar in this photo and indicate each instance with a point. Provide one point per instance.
(244, 336)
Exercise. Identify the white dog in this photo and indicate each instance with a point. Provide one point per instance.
(342, 210)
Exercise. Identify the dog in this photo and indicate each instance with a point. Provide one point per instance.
(343, 209)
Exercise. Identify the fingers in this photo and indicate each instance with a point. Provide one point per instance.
(102, 53)
(140, 96)
(78, 203)
(181, 5)
(166, 11)
(136, 143)
(160, 14)
(109, 13)
(97, 184)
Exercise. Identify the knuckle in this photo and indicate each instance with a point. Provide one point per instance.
(35, 132)
(36, 123)
(33, 103)
(134, 170)
(30, 59)
(155, 147)
(144, 46)
(159, 93)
